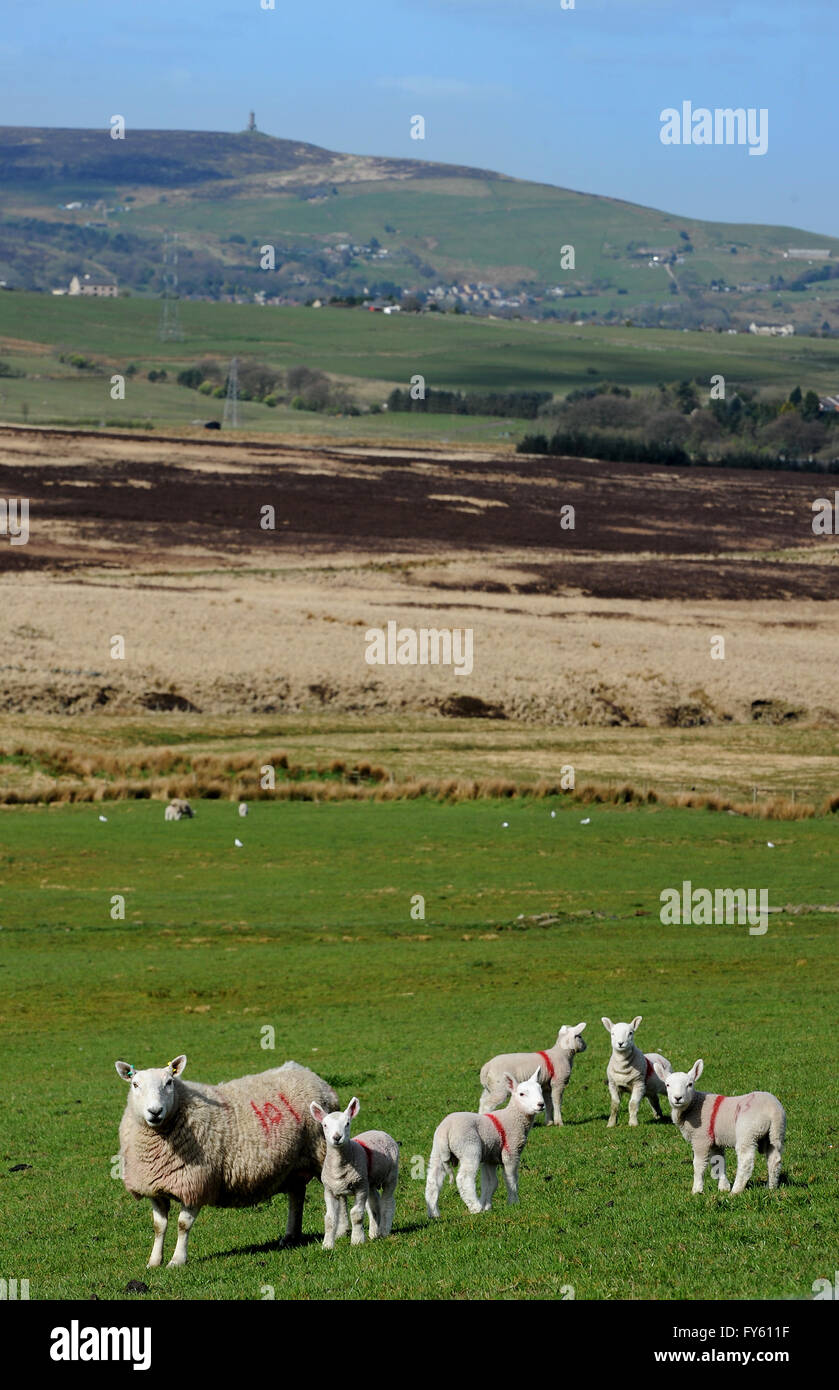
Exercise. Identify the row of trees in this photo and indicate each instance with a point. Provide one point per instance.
(303, 388)
(519, 405)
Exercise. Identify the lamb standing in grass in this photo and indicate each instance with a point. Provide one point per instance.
(484, 1141)
(361, 1168)
(178, 809)
(711, 1124)
(231, 1145)
(554, 1066)
(243, 808)
(630, 1069)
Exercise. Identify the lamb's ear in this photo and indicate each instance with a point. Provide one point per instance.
(510, 1082)
(697, 1069)
(607, 1024)
(318, 1112)
(579, 1028)
(659, 1071)
(353, 1108)
(636, 1022)
(535, 1076)
(125, 1070)
(177, 1064)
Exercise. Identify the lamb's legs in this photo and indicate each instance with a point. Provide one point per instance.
(511, 1178)
(331, 1218)
(699, 1163)
(549, 1106)
(773, 1165)
(342, 1224)
(489, 1182)
(388, 1206)
(616, 1103)
(433, 1183)
(374, 1212)
(654, 1102)
(185, 1219)
(745, 1164)
(718, 1171)
(556, 1104)
(160, 1217)
(357, 1216)
(466, 1177)
(636, 1095)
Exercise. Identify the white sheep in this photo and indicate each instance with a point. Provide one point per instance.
(171, 813)
(243, 808)
(630, 1069)
(554, 1066)
(483, 1141)
(178, 809)
(711, 1124)
(361, 1168)
(231, 1145)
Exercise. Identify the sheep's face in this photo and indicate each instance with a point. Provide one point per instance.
(336, 1126)
(571, 1039)
(681, 1085)
(622, 1034)
(152, 1094)
(527, 1094)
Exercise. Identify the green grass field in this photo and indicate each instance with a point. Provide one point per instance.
(307, 928)
(370, 352)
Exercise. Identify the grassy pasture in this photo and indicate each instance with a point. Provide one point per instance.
(308, 928)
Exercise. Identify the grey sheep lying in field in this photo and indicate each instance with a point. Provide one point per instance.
(711, 1124)
(231, 1145)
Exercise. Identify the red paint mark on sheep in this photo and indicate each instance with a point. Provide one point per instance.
(718, 1100)
(549, 1064)
(649, 1068)
(269, 1115)
(287, 1103)
(368, 1154)
(501, 1131)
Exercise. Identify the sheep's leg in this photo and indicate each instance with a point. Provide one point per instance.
(185, 1219)
(718, 1170)
(294, 1225)
(489, 1182)
(433, 1183)
(374, 1212)
(342, 1224)
(699, 1164)
(467, 1174)
(773, 1164)
(654, 1102)
(616, 1103)
(556, 1099)
(388, 1205)
(160, 1217)
(549, 1105)
(331, 1218)
(357, 1216)
(636, 1095)
(745, 1164)
(511, 1178)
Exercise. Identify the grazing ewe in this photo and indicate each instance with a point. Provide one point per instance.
(711, 1124)
(554, 1067)
(630, 1069)
(360, 1168)
(231, 1145)
(484, 1141)
(243, 808)
(178, 809)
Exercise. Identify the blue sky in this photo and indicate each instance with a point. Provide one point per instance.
(570, 97)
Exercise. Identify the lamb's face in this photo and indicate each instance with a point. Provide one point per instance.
(528, 1094)
(681, 1085)
(336, 1125)
(571, 1039)
(152, 1095)
(622, 1035)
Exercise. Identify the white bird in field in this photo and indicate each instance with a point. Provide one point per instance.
(587, 821)
(553, 815)
(505, 825)
(770, 844)
(238, 844)
(103, 818)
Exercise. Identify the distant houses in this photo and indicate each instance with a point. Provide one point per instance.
(89, 285)
(772, 330)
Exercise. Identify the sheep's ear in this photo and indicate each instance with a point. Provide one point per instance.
(636, 1022)
(353, 1108)
(535, 1076)
(697, 1070)
(318, 1112)
(125, 1070)
(607, 1024)
(177, 1064)
(579, 1028)
(659, 1071)
(509, 1081)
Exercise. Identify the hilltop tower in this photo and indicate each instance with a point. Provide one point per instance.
(252, 122)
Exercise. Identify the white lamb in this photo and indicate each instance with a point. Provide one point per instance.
(231, 1145)
(243, 808)
(554, 1068)
(630, 1069)
(178, 809)
(361, 1168)
(483, 1141)
(711, 1124)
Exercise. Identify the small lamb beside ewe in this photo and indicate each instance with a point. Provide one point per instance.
(630, 1069)
(485, 1142)
(711, 1124)
(554, 1068)
(178, 809)
(365, 1168)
